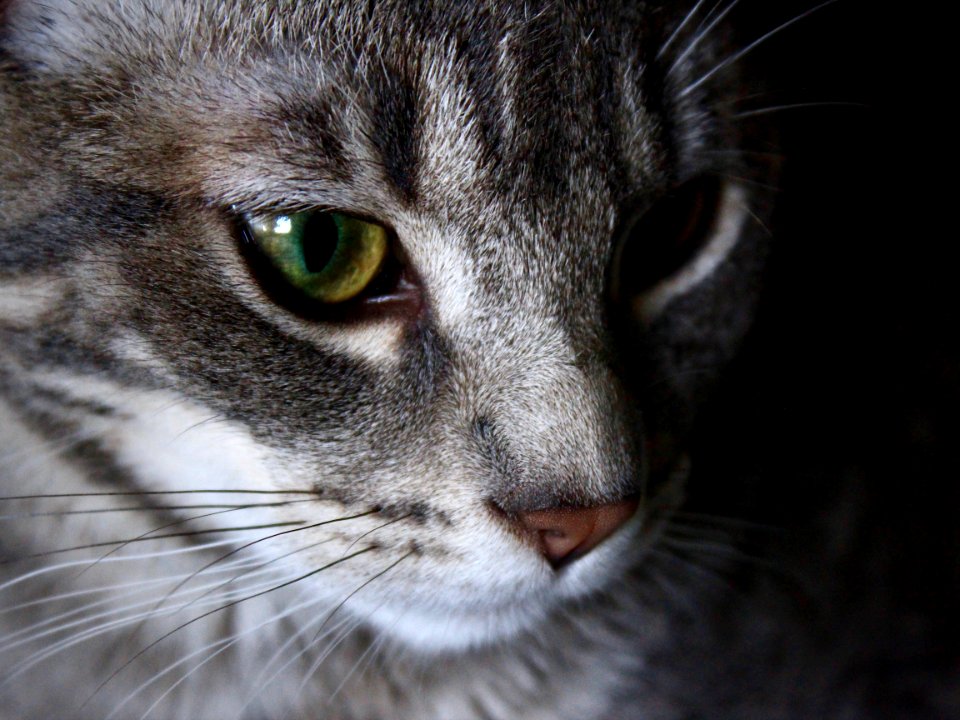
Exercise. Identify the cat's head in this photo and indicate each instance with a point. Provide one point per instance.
(488, 422)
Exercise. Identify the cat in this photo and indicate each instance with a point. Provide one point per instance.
(352, 356)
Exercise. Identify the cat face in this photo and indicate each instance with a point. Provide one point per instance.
(570, 263)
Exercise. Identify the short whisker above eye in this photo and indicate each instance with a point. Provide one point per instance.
(735, 57)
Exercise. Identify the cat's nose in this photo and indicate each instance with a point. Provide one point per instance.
(566, 533)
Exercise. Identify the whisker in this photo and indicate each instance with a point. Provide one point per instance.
(795, 106)
(700, 36)
(127, 558)
(217, 417)
(255, 567)
(79, 610)
(259, 683)
(270, 537)
(721, 551)
(679, 28)
(140, 508)
(657, 573)
(373, 648)
(740, 152)
(691, 566)
(319, 635)
(221, 609)
(756, 218)
(243, 547)
(315, 665)
(743, 51)
(226, 642)
(191, 533)
(347, 629)
(380, 574)
(378, 527)
(41, 655)
(747, 181)
(174, 524)
(144, 493)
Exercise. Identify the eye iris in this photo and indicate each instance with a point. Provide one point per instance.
(330, 257)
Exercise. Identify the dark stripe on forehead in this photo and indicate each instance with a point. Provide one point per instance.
(614, 166)
(476, 52)
(317, 129)
(543, 67)
(396, 131)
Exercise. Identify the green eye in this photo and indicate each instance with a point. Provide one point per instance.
(327, 256)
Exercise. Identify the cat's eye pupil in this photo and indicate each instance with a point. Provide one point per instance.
(319, 241)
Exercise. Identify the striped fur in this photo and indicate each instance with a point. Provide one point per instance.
(227, 511)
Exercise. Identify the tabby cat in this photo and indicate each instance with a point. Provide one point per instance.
(351, 351)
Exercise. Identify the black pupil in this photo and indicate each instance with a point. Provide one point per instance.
(319, 241)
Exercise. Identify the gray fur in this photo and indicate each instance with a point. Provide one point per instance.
(508, 145)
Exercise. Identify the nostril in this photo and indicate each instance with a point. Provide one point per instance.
(567, 532)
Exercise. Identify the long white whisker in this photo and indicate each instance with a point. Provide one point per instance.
(317, 637)
(221, 608)
(226, 642)
(259, 683)
(89, 618)
(256, 566)
(740, 53)
(78, 638)
(692, 45)
(679, 28)
(347, 631)
(174, 523)
(373, 648)
(121, 586)
(125, 558)
(796, 106)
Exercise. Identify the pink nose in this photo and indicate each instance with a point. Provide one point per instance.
(566, 533)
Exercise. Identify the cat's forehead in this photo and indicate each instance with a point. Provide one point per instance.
(522, 100)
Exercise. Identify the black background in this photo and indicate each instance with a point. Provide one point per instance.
(838, 423)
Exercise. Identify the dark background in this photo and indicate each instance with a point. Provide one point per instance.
(837, 426)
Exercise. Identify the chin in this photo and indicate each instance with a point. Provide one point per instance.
(437, 632)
